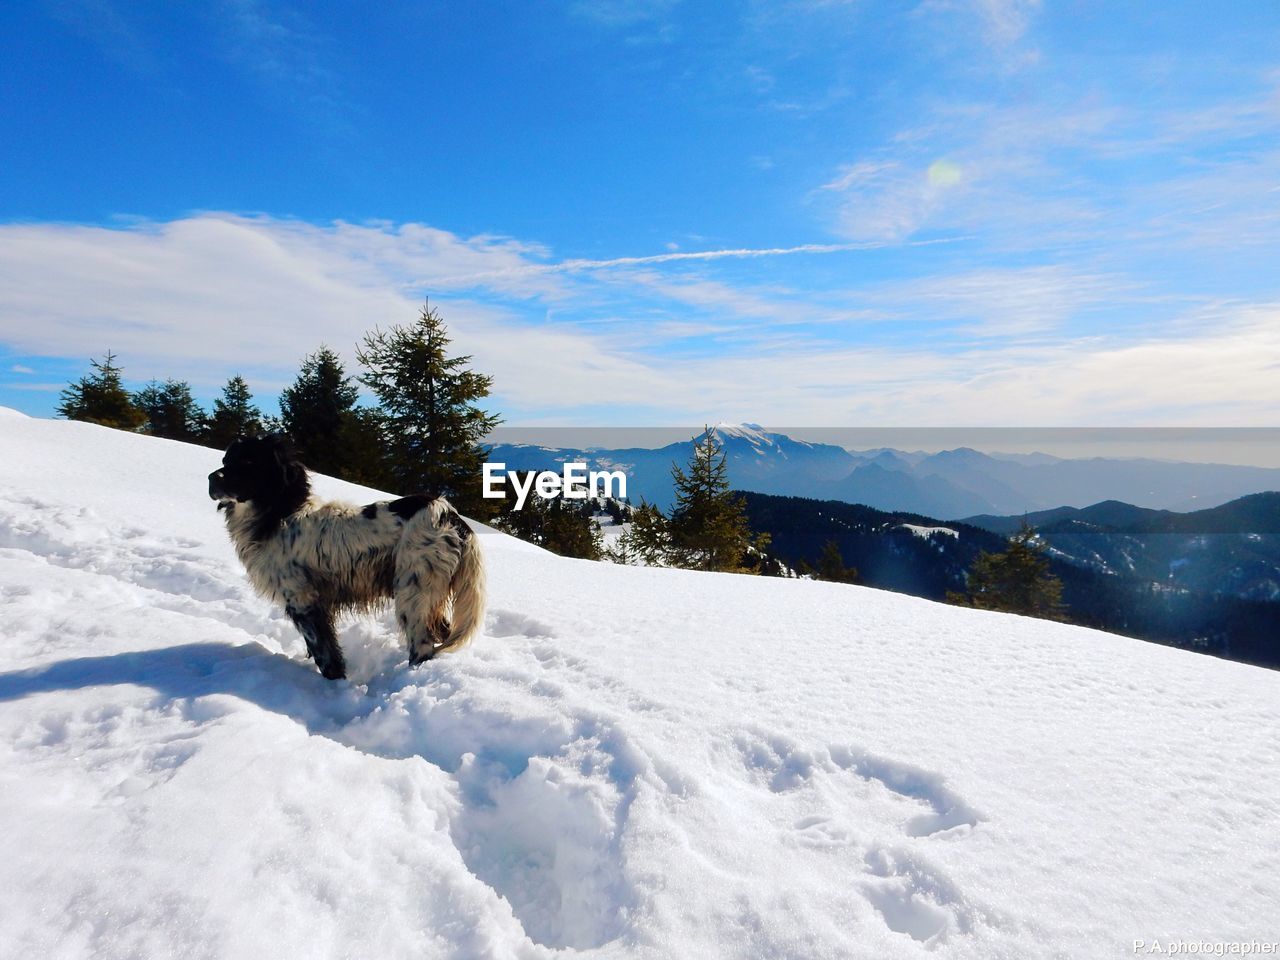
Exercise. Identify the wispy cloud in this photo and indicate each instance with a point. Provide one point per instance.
(108, 27)
(890, 200)
(586, 266)
(291, 59)
(28, 387)
(1070, 382)
(1000, 28)
(642, 339)
(1006, 302)
(1006, 21)
(1048, 176)
(621, 13)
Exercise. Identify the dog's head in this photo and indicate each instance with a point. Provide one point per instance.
(264, 470)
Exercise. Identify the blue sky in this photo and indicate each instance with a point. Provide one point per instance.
(944, 213)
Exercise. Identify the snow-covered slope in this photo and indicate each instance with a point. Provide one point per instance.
(628, 763)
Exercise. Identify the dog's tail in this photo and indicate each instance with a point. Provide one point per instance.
(468, 589)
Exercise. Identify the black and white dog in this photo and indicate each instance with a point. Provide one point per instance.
(320, 558)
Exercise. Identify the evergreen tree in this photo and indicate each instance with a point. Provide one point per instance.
(621, 550)
(619, 511)
(234, 415)
(650, 535)
(362, 438)
(562, 526)
(646, 542)
(171, 411)
(1015, 581)
(708, 522)
(831, 565)
(569, 531)
(760, 561)
(101, 398)
(433, 425)
(315, 408)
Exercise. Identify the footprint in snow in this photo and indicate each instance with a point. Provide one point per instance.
(911, 897)
(544, 792)
(916, 899)
(509, 623)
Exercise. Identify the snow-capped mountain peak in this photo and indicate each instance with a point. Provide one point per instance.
(751, 432)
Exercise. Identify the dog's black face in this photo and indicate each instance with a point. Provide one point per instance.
(259, 469)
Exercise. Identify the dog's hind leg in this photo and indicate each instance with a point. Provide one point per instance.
(316, 626)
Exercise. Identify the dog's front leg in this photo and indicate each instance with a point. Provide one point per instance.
(316, 626)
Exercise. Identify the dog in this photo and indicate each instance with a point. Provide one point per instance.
(321, 558)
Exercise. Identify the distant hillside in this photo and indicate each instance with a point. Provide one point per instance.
(1214, 592)
(882, 545)
(1230, 550)
(1256, 513)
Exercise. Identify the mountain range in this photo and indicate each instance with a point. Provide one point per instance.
(1228, 550)
(948, 484)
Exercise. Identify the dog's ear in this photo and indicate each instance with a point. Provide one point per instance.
(292, 471)
(278, 441)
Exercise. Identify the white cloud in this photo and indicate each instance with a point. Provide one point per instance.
(207, 296)
(218, 292)
(623, 13)
(1006, 21)
(1003, 302)
(519, 271)
(1047, 175)
(109, 29)
(888, 201)
(1224, 376)
(986, 35)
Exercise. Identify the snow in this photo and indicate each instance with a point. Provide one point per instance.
(927, 532)
(756, 435)
(610, 529)
(630, 762)
(746, 431)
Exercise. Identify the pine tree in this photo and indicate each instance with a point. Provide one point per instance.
(433, 425)
(646, 542)
(758, 560)
(619, 511)
(101, 398)
(621, 550)
(170, 411)
(562, 526)
(314, 410)
(234, 415)
(650, 536)
(362, 438)
(831, 565)
(708, 522)
(1015, 581)
(570, 531)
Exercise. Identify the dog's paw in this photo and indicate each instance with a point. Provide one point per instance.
(334, 671)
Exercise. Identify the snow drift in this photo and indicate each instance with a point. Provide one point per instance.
(628, 763)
